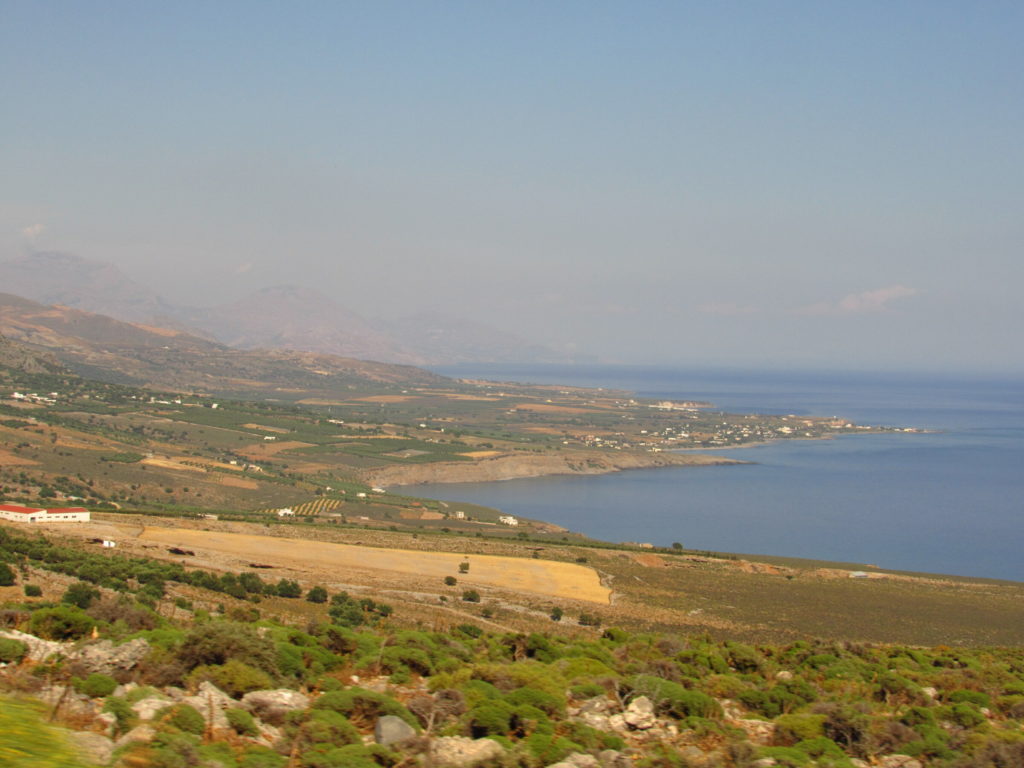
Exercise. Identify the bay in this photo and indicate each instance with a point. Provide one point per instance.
(948, 501)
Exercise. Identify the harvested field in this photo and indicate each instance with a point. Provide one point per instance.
(172, 464)
(481, 454)
(542, 577)
(238, 482)
(546, 408)
(9, 459)
(385, 399)
(279, 430)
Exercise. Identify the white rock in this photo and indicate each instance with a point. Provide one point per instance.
(94, 747)
(899, 761)
(640, 714)
(138, 733)
(146, 709)
(38, 649)
(463, 752)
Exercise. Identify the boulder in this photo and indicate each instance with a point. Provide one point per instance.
(640, 714)
(390, 729)
(138, 733)
(94, 747)
(268, 735)
(764, 762)
(612, 758)
(272, 706)
(211, 702)
(899, 761)
(784, 675)
(38, 649)
(581, 760)
(146, 709)
(463, 752)
(758, 731)
(106, 658)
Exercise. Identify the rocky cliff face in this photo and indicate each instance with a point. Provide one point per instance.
(513, 466)
(21, 358)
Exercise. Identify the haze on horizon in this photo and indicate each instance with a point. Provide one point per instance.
(784, 183)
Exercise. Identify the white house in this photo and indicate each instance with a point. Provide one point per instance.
(508, 520)
(20, 514)
(286, 512)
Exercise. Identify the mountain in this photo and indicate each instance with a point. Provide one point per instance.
(283, 317)
(290, 317)
(72, 281)
(19, 357)
(106, 349)
(441, 338)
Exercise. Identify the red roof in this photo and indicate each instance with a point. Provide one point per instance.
(22, 510)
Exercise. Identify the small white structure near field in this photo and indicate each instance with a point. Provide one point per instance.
(460, 515)
(508, 520)
(286, 512)
(19, 514)
(109, 544)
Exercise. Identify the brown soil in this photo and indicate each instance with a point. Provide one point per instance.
(321, 560)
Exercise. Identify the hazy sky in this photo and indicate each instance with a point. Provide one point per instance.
(813, 183)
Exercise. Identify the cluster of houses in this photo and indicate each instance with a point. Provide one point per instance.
(21, 514)
(32, 397)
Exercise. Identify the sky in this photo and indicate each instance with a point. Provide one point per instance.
(777, 183)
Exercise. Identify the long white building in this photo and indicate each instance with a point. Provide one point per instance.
(19, 514)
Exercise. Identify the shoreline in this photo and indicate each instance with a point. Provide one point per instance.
(513, 467)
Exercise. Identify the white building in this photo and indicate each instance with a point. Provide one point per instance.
(286, 512)
(19, 514)
(508, 520)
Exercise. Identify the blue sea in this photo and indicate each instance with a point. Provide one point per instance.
(950, 501)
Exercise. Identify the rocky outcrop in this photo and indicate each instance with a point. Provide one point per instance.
(512, 466)
(106, 658)
(390, 729)
(38, 649)
(464, 752)
(273, 706)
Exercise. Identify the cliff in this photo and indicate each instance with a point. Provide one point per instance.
(511, 466)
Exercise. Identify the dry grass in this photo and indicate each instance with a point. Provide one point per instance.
(320, 559)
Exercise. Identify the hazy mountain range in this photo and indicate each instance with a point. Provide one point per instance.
(280, 317)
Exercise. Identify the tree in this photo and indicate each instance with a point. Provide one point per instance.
(450, 581)
(80, 594)
(676, 545)
(471, 596)
(6, 575)
(317, 595)
(557, 613)
(463, 567)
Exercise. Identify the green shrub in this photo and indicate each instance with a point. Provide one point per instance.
(261, 757)
(241, 721)
(976, 698)
(235, 677)
(493, 718)
(183, 717)
(471, 596)
(218, 642)
(586, 690)
(12, 651)
(6, 575)
(97, 685)
(122, 711)
(673, 699)
(363, 705)
(62, 622)
(80, 594)
(317, 595)
(546, 702)
(791, 729)
(33, 590)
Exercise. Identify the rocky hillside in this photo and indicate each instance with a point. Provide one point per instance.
(21, 358)
(112, 350)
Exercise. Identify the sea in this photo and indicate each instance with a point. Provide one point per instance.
(950, 500)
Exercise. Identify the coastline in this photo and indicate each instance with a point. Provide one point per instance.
(511, 467)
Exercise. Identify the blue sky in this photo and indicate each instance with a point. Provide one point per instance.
(824, 184)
